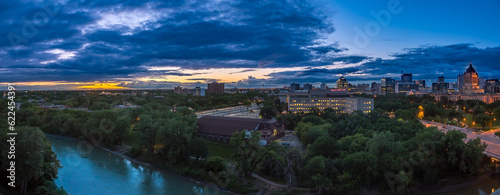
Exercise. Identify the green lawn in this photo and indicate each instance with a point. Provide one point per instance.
(469, 121)
(132, 138)
(220, 149)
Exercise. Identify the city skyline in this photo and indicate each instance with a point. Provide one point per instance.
(150, 44)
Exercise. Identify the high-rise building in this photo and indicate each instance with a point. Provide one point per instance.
(294, 86)
(342, 83)
(441, 79)
(178, 90)
(324, 86)
(375, 86)
(407, 78)
(421, 84)
(198, 91)
(491, 86)
(460, 82)
(308, 86)
(441, 86)
(215, 87)
(481, 82)
(388, 85)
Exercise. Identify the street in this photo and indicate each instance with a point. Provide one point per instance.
(493, 149)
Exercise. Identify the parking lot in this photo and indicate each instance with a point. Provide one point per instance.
(236, 111)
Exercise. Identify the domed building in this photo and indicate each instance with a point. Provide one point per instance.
(471, 81)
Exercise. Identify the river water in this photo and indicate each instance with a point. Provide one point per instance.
(100, 172)
(486, 186)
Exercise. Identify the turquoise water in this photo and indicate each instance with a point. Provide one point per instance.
(100, 172)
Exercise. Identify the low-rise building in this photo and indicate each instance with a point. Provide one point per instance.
(341, 104)
(221, 129)
(336, 99)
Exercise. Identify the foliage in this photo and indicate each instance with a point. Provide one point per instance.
(249, 153)
(36, 163)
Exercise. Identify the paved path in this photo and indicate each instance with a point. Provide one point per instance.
(268, 182)
(493, 149)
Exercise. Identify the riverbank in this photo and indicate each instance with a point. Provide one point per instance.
(450, 187)
(148, 165)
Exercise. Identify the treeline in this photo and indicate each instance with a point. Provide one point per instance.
(36, 165)
(96, 101)
(347, 153)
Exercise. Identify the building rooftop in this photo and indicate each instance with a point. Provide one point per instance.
(226, 126)
(470, 69)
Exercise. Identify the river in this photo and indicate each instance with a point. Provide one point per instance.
(485, 186)
(100, 172)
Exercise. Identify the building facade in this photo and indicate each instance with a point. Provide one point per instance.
(486, 98)
(407, 78)
(388, 85)
(492, 86)
(308, 86)
(294, 86)
(215, 87)
(441, 86)
(405, 87)
(471, 81)
(336, 99)
(421, 84)
(342, 83)
(340, 104)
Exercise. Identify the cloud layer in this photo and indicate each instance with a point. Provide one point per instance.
(89, 41)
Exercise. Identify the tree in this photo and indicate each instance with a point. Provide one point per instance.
(247, 104)
(324, 146)
(315, 172)
(148, 129)
(352, 144)
(496, 113)
(360, 168)
(35, 160)
(310, 136)
(404, 114)
(463, 157)
(249, 153)
(293, 159)
(484, 119)
(198, 148)
(268, 111)
(215, 164)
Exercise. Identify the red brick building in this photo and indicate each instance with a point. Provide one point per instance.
(215, 87)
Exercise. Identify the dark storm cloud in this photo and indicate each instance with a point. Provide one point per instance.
(247, 70)
(111, 40)
(426, 62)
(190, 35)
(429, 62)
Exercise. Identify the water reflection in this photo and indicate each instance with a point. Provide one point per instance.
(484, 187)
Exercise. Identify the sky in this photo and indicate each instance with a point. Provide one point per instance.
(149, 44)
